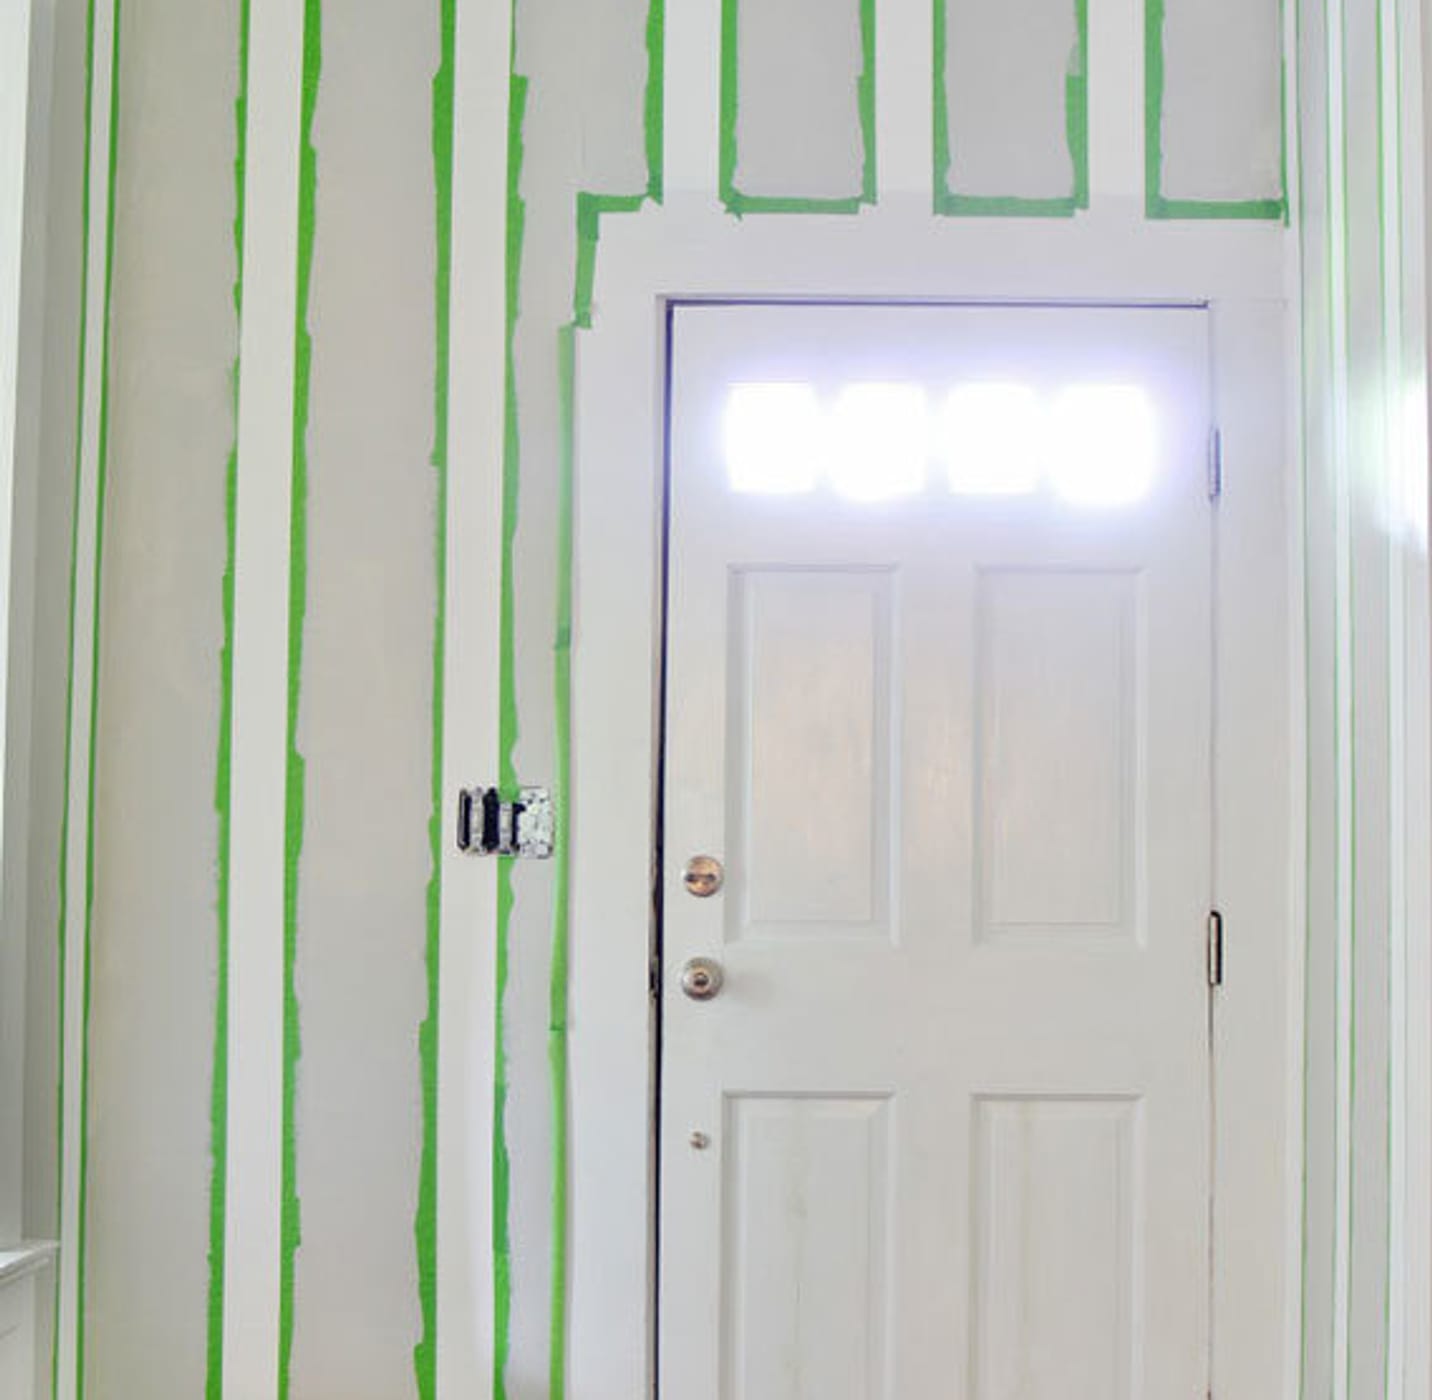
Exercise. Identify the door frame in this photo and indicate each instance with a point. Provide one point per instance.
(656, 261)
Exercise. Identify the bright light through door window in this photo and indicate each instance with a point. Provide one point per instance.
(773, 438)
(993, 439)
(1103, 444)
(880, 441)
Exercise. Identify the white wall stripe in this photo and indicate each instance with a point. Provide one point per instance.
(265, 438)
(86, 541)
(1343, 700)
(467, 987)
(1116, 101)
(693, 97)
(904, 133)
(14, 130)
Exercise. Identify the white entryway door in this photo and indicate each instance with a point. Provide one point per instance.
(935, 1111)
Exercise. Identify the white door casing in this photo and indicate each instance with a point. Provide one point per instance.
(654, 263)
(950, 1114)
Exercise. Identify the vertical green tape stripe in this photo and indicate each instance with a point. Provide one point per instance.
(1076, 107)
(865, 101)
(223, 778)
(1157, 205)
(730, 103)
(940, 95)
(101, 484)
(653, 115)
(739, 203)
(62, 874)
(289, 1221)
(1076, 135)
(425, 1225)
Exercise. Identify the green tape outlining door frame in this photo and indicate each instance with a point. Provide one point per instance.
(1076, 126)
(590, 207)
(735, 200)
(289, 1219)
(1157, 204)
(223, 780)
(425, 1223)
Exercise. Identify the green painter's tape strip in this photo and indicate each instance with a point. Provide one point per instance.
(101, 491)
(653, 114)
(63, 874)
(290, 1230)
(425, 1222)
(223, 781)
(950, 203)
(865, 101)
(739, 203)
(1157, 205)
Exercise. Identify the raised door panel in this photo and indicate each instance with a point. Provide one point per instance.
(1057, 754)
(810, 788)
(1055, 1272)
(805, 1251)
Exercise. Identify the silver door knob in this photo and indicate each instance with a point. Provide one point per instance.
(701, 979)
(703, 876)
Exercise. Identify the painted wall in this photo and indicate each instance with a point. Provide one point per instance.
(281, 180)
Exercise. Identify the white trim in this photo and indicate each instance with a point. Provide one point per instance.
(86, 541)
(884, 255)
(261, 593)
(467, 997)
(1258, 855)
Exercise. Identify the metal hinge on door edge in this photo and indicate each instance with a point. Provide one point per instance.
(489, 826)
(1215, 464)
(1215, 948)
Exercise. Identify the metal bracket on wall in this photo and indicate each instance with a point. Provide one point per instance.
(489, 826)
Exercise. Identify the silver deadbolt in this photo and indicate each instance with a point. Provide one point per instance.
(701, 979)
(703, 876)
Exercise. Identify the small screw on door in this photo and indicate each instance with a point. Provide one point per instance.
(703, 876)
(700, 1141)
(701, 979)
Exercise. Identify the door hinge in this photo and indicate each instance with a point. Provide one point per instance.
(489, 826)
(1215, 464)
(1215, 949)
